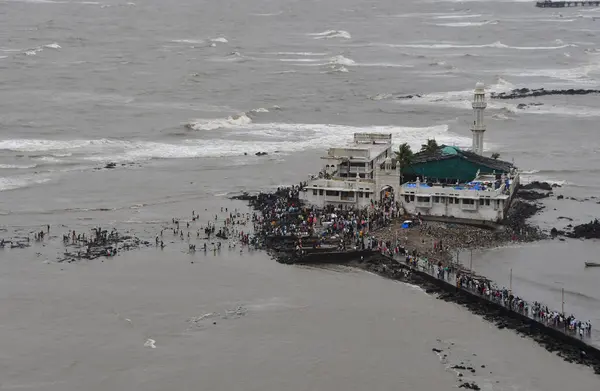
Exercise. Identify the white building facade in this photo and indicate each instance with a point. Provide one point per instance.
(486, 198)
(355, 175)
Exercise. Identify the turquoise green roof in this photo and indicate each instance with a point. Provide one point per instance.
(450, 150)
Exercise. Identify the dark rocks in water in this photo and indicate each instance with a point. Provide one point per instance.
(521, 211)
(560, 197)
(470, 386)
(261, 153)
(590, 230)
(110, 165)
(535, 185)
(244, 197)
(531, 195)
(527, 92)
(408, 96)
(436, 350)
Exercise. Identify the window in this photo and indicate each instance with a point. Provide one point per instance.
(320, 191)
(423, 199)
(360, 194)
(412, 197)
(314, 191)
(487, 202)
(407, 198)
(332, 193)
(436, 199)
(451, 200)
(468, 202)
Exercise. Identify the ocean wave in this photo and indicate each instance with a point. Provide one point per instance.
(18, 182)
(53, 46)
(496, 45)
(213, 124)
(457, 16)
(580, 75)
(339, 63)
(297, 54)
(467, 24)
(33, 145)
(16, 166)
(219, 40)
(248, 138)
(458, 99)
(341, 60)
(190, 41)
(332, 34)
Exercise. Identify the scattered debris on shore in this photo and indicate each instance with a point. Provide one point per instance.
(101, 244)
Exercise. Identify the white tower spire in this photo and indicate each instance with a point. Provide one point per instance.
(478, 127)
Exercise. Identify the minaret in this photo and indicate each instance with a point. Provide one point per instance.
(478, 127)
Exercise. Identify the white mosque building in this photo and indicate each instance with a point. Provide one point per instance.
(450, 184)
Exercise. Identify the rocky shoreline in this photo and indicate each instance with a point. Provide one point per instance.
(501, 317)
(444, 240)
(535, 92)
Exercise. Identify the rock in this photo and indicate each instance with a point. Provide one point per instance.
(526, 93)
(590, 230)
(565, 218)
(470, 386)
(436, 350)
(531, 195)
(560, 197)
(110, 165)
(536, 185)
(261, 153)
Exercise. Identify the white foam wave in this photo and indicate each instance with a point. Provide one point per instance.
(332, 34)
(580, 75)
(191, 41)
(53, 46)
(213, 124)
(496, 45)
(457, 16)
(259, 110)
(341, 60)
(17, 182)
(298, 54)
(299, 60)
(1, 57)
(150, 343)
(220, 40)
(269, 14)
(337, 69)
(17, 166)
(33, 145)
(241, 139)
(467, 24)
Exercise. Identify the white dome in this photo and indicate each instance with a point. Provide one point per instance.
(479, 85)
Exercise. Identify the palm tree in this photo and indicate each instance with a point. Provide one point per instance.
(495, 155)
(404, 157)
(430, 147)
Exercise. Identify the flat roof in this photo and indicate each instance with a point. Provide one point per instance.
(373, 150)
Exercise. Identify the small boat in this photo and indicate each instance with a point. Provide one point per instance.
(592, 264)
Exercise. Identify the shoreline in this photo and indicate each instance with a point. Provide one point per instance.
(568, 347)
(443, 240)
